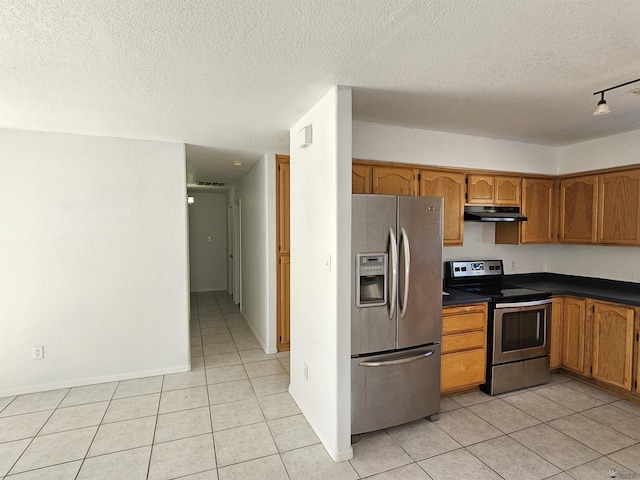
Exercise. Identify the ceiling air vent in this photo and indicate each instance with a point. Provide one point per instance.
(211, 184)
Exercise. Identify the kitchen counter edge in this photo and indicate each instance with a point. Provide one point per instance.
(627, 293)
(458, 297)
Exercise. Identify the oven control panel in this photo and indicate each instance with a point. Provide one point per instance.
(475, 268)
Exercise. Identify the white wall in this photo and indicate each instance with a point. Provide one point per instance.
(388, 143)
(615, 263)
(608, 152)
(479, 244)
(258, 224)
(93, 259)
(208, 242)
(320, 296)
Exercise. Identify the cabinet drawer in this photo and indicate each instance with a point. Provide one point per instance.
(463, 341)
(461, 370)
(464, 309)
(463, 323)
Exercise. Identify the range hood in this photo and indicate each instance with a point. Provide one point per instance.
(493, 214)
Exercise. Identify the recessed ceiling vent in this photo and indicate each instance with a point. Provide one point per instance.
(211, 184)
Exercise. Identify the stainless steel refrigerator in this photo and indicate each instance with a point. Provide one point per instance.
(396, 312)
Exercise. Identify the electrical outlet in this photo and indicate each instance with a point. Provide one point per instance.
(38, 352)
(306, 372)
(513, 264)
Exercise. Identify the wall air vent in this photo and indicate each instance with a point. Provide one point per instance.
(211, 184)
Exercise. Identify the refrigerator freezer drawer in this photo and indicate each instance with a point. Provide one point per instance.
(395, 388)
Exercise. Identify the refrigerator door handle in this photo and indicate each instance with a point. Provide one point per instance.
(393, 269)
(404, 237)
(398, 361)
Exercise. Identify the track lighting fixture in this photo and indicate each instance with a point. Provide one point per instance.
(602, 107)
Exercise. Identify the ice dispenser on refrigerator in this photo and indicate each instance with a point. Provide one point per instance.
(371, 287)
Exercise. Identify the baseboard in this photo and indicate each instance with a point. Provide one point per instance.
(93, 381)
(268, 351)
(336, 456)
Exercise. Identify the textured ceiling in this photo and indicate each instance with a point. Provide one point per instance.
(229, 77)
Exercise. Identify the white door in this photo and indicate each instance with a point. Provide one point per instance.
(237, 254)
(230, 247)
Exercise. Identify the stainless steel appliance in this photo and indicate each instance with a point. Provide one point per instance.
(518, 328)
(396, 312)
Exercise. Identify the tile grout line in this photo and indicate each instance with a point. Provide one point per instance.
(206, 381)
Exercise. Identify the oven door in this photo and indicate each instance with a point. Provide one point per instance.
(521, 330)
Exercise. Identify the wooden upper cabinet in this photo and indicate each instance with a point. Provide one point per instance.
(282, 204)
(619, 208)
(538, 204)
(361, 178)
(480, 189)
(395, 181)
(613, 332)
(578, 209)
(507, 190)
(450, 186)
(493, 190)
(573, 334)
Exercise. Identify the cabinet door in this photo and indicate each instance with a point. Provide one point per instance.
(480, 189)
(451, 187)
(395, 181)
(462, 370)
(361, 179)
(613, 332)
(578, 209)
(538, 206)
(282, 206)
(573, 334)
(619, 208)
(507, 190)
(284, 300)
(556, 332)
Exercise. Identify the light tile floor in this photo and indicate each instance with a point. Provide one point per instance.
(231, 417)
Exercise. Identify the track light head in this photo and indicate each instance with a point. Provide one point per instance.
(602, 108)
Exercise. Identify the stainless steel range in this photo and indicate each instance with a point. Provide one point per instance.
(518, 327)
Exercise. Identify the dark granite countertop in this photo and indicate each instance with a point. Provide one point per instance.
(627, 293)
(458, 297)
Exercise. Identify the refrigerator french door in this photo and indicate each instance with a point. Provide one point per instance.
(396, 313)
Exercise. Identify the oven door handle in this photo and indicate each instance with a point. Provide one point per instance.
(533, 303)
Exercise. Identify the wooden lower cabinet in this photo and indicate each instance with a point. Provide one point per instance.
(613, 338)
(600, 341)
(464, 342)
(573, 334)
(556, 332)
